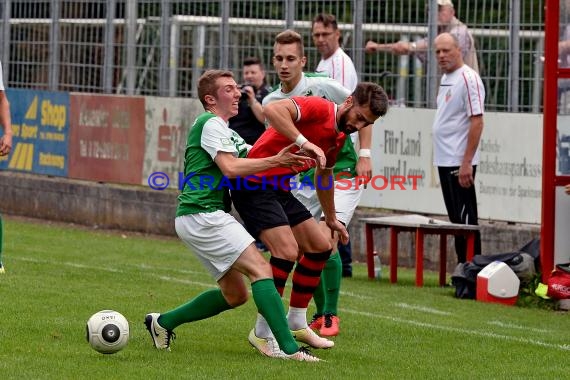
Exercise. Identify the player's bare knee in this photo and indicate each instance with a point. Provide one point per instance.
(283, 249)
(285, 254)
(237, 298)
(260, 271)
(317, 244)
(323, 248)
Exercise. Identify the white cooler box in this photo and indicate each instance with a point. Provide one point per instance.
(498, 283)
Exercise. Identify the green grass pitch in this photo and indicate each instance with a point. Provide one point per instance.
(58, 275)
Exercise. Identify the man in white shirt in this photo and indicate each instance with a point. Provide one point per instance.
(334, 61)
(457, 132)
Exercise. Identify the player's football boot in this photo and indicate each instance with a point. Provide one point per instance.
(160, 336)
(303, 355)
(266, 346)
(269, 347)
(309, 337)
(317, 322)
(330, 325)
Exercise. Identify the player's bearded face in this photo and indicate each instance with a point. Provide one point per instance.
(343, 124)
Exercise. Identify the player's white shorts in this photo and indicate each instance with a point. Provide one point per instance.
(215, 237)
(345, 200)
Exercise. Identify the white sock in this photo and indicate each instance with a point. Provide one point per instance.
(297, 318)
(262, 329)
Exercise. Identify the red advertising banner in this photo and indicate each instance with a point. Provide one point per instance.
(106, 138)
(168, 121)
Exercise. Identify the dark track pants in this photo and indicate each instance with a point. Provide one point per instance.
(461, 205)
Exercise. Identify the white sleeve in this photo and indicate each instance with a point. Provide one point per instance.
(334, 91)
(475, 93)
(349, 77)
(340, 68)
(216, 137)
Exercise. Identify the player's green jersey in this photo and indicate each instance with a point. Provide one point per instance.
(206, 189)
(328, 88)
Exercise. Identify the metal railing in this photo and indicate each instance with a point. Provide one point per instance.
(160, 47)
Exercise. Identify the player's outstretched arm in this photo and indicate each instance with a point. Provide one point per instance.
(232, 166)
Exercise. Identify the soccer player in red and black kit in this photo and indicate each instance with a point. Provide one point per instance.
(273, 214)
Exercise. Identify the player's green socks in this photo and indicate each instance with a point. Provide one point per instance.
(269, 305)
(205, 305)
(319, 296)
(332, 275)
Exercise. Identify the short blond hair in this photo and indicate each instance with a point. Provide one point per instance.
(288, 37)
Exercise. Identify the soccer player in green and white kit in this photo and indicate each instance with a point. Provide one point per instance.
(214, 153)
(5, 143)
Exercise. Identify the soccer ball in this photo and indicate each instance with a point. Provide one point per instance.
(107, 331)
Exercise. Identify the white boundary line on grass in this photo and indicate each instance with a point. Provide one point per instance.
(66, 263)
(114, 270)
(563, 347)
(518, 327)
(422, 308)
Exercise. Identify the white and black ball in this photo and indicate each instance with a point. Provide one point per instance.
(107, 331)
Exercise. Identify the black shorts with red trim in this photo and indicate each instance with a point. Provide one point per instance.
(262, 209)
